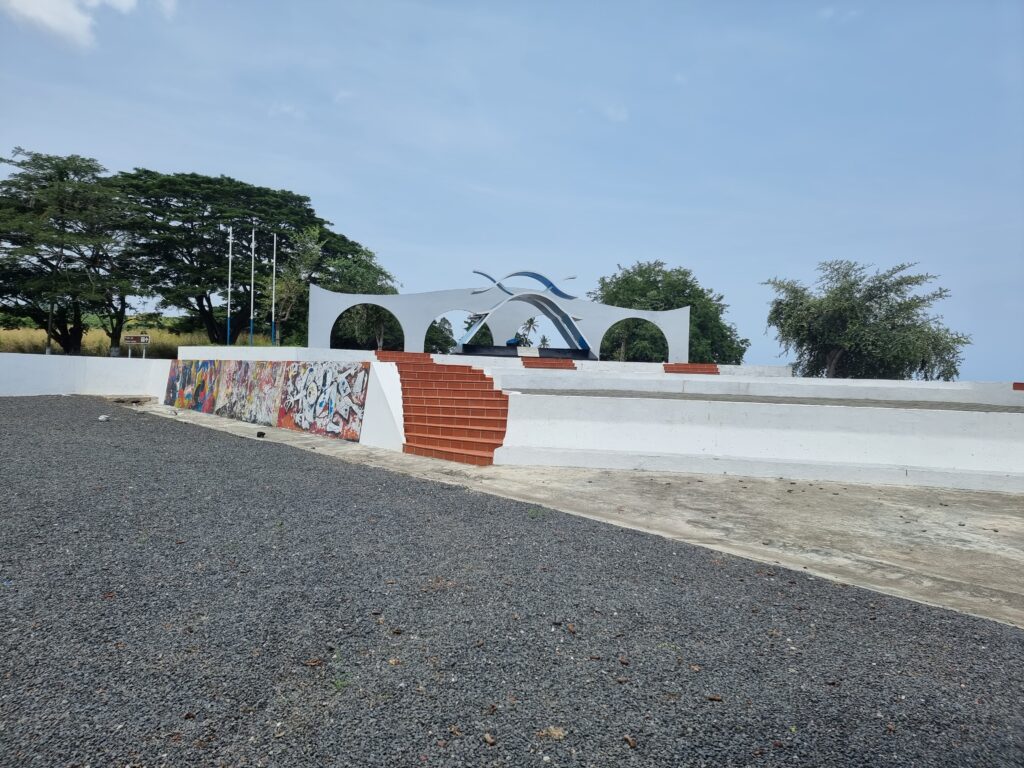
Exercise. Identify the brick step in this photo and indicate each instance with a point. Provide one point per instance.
(460, 411)
(404, 368)
(548, 362)
(474, 430)
(479, 458)
(394, 355)
(485, 394)
(468, 384)
(493, 423)
(703, 368)
(440, 374)
(454, 402)
(452, 443)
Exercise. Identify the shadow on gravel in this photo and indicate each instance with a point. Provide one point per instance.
(178, 596)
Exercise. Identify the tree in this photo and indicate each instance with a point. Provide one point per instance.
(440, 337)
(529, 328)
(182, 223)
(865, 326)
(483, 337)
(649, 285)
(545, 342)
(63, 250)
(316, 255)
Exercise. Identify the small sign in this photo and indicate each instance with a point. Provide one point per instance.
(141, 338)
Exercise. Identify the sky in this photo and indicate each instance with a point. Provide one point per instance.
(743, 140)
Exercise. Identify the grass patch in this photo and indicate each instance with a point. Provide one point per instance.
(163, 343)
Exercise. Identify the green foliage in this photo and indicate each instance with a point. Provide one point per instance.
(182, 223)
(64, 254)
(440, 337)
(862, 325)
(77, 245)
(367, 326)
(483, 337)
(650, 286)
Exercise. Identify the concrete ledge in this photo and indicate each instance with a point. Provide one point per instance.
(861, 474)
(976, 450)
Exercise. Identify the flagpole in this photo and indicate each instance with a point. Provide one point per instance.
(231, 240)
(273, 297)
(252, 284)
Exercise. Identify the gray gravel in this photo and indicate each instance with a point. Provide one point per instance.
(178, 596)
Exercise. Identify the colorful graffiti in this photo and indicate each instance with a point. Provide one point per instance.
(192, 384)
(325, 398)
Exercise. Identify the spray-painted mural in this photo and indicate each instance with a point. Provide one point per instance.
(325, 398)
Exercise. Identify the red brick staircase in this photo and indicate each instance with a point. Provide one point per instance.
(452, 412)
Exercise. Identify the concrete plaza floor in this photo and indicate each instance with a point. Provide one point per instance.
(962, 550)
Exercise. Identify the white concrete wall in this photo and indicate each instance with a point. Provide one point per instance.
(965, 392)
(957, 449)
(74, 375)
(384, 415)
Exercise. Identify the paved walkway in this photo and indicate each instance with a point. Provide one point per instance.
(957, 549)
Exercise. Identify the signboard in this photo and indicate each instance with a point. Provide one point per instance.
(141, 338)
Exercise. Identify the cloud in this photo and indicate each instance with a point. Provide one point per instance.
(284, 109)
(831, 14)
(614, 112)
(73, 20)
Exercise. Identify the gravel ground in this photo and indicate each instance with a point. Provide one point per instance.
(177, 596)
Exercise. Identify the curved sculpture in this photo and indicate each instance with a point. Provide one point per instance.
(576, 320)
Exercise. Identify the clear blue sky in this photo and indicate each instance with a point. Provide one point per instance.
(743, 140)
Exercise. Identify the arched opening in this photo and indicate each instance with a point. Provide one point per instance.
(444, 333)
(636, 341)
(367, 326)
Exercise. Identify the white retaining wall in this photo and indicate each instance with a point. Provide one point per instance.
(74, 375)
(970, 392)
(947, 448)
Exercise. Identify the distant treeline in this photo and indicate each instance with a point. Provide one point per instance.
(81, 247)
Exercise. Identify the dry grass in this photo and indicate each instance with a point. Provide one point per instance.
(162, 344)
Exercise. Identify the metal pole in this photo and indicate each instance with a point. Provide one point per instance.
(252, 284)
(231, 240)
(273, 297)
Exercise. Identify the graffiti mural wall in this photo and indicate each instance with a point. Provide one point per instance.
(325, 398)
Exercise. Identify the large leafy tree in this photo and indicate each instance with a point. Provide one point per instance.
(650, 285)
(316, 255)
(64, 253)
(182, 223)
(863, 324)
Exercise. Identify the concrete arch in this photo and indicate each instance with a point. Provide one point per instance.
(377, 304)
(600, 344)
(415, 313)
